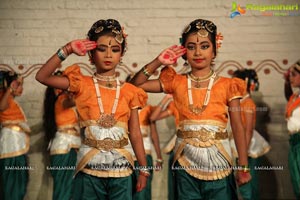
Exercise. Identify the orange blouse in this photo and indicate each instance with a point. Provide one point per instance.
(64, 117)
(13, 113)
(223, 91)
(248, 106)
(131, 97)
(293, 103)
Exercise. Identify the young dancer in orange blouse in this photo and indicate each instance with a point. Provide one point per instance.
(108, 111)
(14, 139)
(202, 151)
(293, 126)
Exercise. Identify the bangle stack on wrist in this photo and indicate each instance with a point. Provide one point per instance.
(145, 172)
(61, 54)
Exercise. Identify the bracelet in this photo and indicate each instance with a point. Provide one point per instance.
(244, 168)
(146, 72)
(160, 161)
(68, 48)
(145, 172)
(61, 54)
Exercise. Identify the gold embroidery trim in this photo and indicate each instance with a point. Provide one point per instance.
(69, 131)
(16, 127)
(64, 151)
(108, 173)
(203, 175)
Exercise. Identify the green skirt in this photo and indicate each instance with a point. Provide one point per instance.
(62, 171)
(13, 178)
(88, 187)
(294, 162)
(189, 187)
(172, 194)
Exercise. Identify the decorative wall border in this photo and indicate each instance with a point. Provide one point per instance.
(229, 65)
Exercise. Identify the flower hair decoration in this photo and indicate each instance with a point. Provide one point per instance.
(219, 40)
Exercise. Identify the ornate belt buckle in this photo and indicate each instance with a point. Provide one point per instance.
(108, 144)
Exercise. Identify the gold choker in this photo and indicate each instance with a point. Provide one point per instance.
(198, 80)
(105, 78)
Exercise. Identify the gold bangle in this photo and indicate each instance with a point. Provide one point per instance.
(160, 161)
(244, 168)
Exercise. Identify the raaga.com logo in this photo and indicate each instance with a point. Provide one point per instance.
(266, 10)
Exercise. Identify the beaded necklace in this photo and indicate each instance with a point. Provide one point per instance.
(107, 120)
(197, 110)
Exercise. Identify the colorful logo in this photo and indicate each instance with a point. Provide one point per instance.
(236, 10)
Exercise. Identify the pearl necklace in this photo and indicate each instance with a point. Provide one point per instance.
(107, 120)
(107, 79)
(197, 110)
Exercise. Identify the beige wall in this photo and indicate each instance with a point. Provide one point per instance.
(32, 30)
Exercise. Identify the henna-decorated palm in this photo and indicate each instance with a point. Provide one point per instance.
(170, 55)
(80, 47)
(141, 183)
(242, 177)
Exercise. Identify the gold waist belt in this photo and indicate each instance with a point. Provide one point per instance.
(107, 144)
(203, 135)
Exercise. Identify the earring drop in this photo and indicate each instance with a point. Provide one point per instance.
(212, 63)
(185, 64)
(121, 62)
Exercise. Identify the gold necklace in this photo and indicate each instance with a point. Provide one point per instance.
(198, 80)
(107, 79)
(197, 110)
(107, 120)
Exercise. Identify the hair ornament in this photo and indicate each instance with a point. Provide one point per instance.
(109, 24)
(99, 29)
(119, 35)
(202, 32)
(203, 26)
